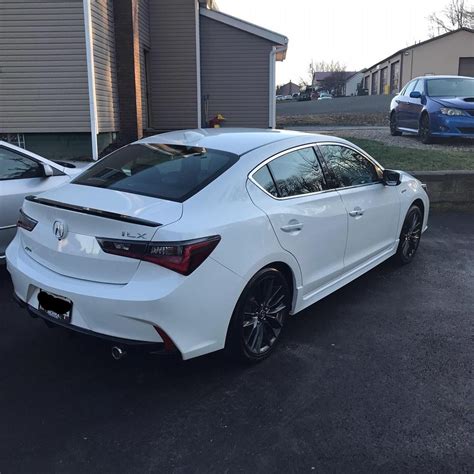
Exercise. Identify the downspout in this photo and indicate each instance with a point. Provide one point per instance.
(272, 86)
(198, 65)
(91, 78)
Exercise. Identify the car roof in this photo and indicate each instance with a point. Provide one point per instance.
(435, 76)
(234, 140)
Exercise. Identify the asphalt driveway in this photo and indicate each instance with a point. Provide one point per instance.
(375, 378)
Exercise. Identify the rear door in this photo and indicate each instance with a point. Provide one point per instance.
(20, 175)
(373, 209)
(309, 220)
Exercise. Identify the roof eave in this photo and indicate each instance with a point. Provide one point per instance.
(275, 38)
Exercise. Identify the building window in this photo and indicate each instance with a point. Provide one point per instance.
(395, 77)
(384, 80)
(17, 139)
(373, 89)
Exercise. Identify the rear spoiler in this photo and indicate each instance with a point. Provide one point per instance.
(92, 212)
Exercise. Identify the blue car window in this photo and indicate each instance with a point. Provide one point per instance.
(420, 87)
(450, 87)
(410, 87)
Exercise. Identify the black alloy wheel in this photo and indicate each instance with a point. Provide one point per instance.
(259, 316)
(424, 130)
(394, 125)
(410, 235)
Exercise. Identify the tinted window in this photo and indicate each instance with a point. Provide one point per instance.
(265, 180)
(170, 172)
(349, 167)
(16, 166)
(297, 172)
(450, 87)
(409, 88)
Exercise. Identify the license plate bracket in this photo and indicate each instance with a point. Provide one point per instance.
(55, 306)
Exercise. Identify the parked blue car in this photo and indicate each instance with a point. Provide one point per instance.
(434, 106)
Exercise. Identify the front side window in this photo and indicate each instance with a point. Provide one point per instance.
(420, 87)
(16, 166)
(350, 168)
(172, 172)
(409, 88)
(298, 172)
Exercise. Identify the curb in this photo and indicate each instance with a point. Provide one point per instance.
(448, 190)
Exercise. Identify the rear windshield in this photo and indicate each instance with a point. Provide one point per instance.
(171, 172)
(450, 87)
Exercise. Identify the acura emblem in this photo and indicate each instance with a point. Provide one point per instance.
(59, 229)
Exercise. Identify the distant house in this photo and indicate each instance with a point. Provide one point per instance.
(353, 82)
(79, 75)
(289, 88)
(450, 53)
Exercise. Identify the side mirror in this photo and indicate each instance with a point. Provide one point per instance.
(415, 95)
(391, 178)
(48, 171)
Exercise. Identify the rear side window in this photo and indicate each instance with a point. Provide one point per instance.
(298, 172)
(171, 172)
(265, 180)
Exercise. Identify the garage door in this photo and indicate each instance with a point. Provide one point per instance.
(466, 67)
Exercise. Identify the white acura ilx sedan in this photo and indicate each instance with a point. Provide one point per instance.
(200, 240)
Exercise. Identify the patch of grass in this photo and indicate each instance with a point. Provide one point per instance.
(412, 159)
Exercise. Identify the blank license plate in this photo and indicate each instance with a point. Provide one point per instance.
(57, 307)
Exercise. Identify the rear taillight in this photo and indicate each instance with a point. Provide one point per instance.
(182, 257)
(26, 222)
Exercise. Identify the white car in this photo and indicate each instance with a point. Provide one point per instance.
(22, 173)
(200, 240)
(325, 96)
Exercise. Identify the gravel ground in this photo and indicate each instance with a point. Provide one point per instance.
(405, 141)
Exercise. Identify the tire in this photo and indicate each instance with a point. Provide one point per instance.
(424, 131)
(394, 125)
(410, 235)
(259, 316)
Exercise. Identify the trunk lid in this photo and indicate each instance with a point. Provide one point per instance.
(83, 213)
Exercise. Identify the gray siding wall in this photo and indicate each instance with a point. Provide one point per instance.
(144, 37)
(43, 71)
(105, 65)
(235, 72)
(173, 83)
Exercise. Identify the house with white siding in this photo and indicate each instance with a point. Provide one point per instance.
(79, 76)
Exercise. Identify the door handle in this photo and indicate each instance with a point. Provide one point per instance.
(356, 212)
(292, 227)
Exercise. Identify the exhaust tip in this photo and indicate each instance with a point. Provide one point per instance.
(118, 353)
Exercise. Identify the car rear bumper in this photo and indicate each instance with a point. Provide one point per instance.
(51, 322)
(194, 311)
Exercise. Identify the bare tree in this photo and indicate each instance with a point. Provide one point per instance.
(456, 14)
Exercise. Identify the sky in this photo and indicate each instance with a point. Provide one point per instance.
(358, 34)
